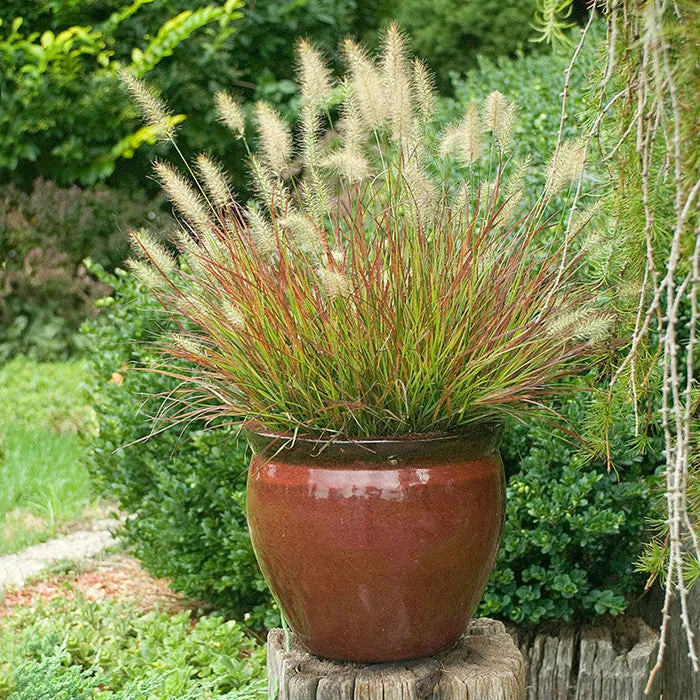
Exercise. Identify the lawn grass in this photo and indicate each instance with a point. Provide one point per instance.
(44, 419)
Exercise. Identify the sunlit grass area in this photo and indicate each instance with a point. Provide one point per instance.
(43, 423)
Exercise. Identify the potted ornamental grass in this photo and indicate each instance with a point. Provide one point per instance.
(369, 317)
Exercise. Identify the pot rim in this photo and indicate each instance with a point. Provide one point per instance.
(483, 437)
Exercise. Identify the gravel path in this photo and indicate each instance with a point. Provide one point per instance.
(15, 569)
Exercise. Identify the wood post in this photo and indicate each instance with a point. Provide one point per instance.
(484, 665)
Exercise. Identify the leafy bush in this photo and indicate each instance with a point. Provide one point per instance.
(63, 114)
(573, 530)
(109, 650)
(450, 34)
(185, 488)
(45, 290)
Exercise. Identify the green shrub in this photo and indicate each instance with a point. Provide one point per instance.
(573, 530)
(109, 650)
(184, 487)
(45, 290)
(63, 113)
(450, 34)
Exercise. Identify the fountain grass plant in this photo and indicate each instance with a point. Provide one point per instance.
(364, 291)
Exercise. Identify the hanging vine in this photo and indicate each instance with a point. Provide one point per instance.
(641, 134)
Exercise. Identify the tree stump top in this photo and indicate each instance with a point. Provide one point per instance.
(484, 665)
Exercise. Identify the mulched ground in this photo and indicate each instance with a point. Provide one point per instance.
(116, 577)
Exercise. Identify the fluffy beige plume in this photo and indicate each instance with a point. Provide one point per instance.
(153, 110)
(230, 113)
(349, 163)
(471, 135)
(367, 86)
(315, 195)
(191, 252)
(397, 83)
(580, 324)
(304, 231)
(421, 190)
(146, 274)
(509, 208)
(424, 90)
(450, 141)
(463, 140)
(310, 128)
(261, 229)
(275, 139)
(215, 181)
(186, 344)
(186, 200)
(233, 315)
(315, 78)
(334, 282)
(271, 190)
(156, 254)
(499, 117)
(565, 166)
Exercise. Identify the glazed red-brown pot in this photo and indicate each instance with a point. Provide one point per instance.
(377, 549)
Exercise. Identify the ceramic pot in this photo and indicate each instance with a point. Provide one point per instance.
(377, 549)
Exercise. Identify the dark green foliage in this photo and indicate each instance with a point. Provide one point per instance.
(45, 290)
(573, 531)
(110, 650)
(450, 34)
(185, 487)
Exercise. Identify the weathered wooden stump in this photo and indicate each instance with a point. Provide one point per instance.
(609, 662)
(484, 665)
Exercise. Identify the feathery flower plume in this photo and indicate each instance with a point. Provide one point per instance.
(233, 315)
(261, 229)
(499, 116)
(314, 76)
(188, 203)
(367, 84)
(421, 190)
(230, 113)
(397, 83)
(582, 324)
(157, 254)
(315, 195)
(145, 273)
(334, 282)
(305, 233)
(153, 110)
(275, 138)
(509, 208)
(424, 90)
(565, 166)
(471, 135)
(191, 252)
(349, 163)
(186, 344)
(451, 141)
(215, 181)
(270, 190)
(463, 140)
(310, 127)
